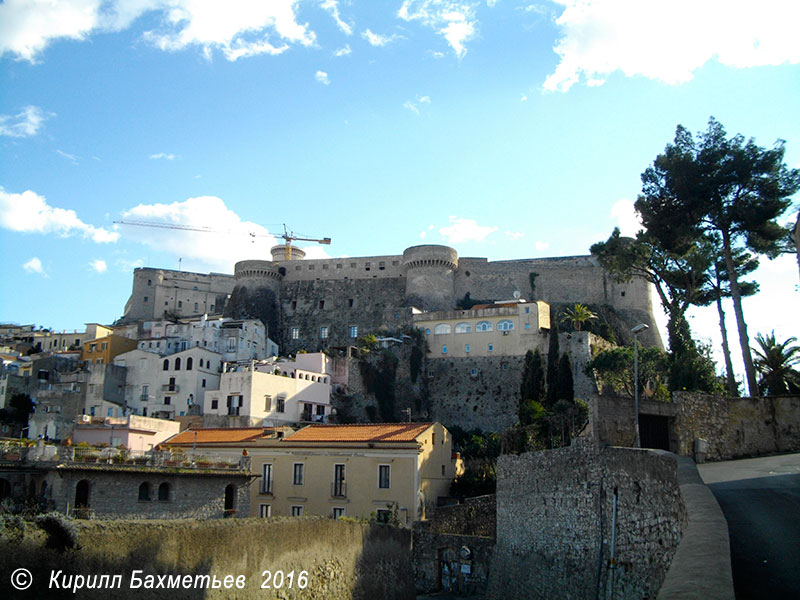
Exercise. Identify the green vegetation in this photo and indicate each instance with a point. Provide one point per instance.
(614, 369)
(775, 362)
(479, 451)
(578, 315)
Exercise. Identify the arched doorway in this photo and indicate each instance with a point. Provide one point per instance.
(82, 494)
(5, 488)
(230, 500)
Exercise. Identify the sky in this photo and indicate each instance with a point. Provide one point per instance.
(506, 129)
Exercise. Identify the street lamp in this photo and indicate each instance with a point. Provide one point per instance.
(636, 331)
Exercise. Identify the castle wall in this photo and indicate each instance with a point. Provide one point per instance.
(431, 277)
(368, 304)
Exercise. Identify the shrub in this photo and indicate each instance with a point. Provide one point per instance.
(61, 532)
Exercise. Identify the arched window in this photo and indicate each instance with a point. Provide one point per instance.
(505, 325)
(166, 364)
(189, 364)
(44, 489)
(144, 492)
(463, 328)
(82, 494)
(178, 364)
(230, 498)
(163, 492)
(483, 326)
(441, 329)
(5, 488)
(201, 363)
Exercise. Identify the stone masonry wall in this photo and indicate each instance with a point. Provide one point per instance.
(442, 564)
(115, 494)
(369, 304)
(554, 522)
(343, 560)
(486, 400)
(735, 427)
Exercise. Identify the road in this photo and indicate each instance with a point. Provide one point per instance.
(760, 498)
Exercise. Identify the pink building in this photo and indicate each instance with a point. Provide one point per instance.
(134, 432)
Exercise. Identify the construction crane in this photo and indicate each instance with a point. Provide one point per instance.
(288, 236)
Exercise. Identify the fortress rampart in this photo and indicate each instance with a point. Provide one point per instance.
(310, 304)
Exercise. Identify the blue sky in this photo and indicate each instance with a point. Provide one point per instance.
(507, 129)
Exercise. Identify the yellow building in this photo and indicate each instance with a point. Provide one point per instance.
(103, 350)
(502, 329)
(387, 471)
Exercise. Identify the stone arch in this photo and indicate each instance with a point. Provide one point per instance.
(82, 494)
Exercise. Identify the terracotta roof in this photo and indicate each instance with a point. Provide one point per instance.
(370, 432)
(227, 435)
(495, 305)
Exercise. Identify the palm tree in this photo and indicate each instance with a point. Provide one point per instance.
(774, 362)
(578, 315)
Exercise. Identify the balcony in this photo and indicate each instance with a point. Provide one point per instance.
(339, 489)
(170, 387)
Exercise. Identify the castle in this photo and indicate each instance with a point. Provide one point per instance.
(313, 304)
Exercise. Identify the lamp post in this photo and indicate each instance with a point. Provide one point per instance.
(636, 331)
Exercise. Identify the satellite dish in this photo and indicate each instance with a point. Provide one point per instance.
(517, 294)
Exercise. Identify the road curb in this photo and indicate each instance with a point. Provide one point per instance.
(701, 567)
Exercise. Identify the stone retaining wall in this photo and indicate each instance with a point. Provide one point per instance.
(554, 522)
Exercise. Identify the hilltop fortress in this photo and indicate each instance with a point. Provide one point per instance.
(313, 304)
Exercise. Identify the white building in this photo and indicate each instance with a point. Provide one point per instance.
(169, 386)
(235, 339)
(272, 392)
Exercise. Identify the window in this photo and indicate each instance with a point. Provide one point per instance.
(144, 492)
(167, 400)
(110, 412)
(178, 364)
(491, 347)
(297, 474)
(267, 403)
(180, 303)
(505, 325)
(483, 326)
(297, 510)
(295, 333)
(322, 304)
(214, 404)
(466, 348)
(338, 511)
(266, 478)
(350, 300)
(93, 348)
(384, 476)
(339, 488)
(195, 307)
(383, 515)
(444, 349)
(145, 392)
(163, 492)
(265, 510)
(353, 331)
(103, 345)
(231, 344)
(204, 383)
(474, 372)
(189, 364)
(323, 333)
(281, 404)
(463, 328)
(441, 329)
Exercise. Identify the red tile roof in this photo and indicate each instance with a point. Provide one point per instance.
(370, 432)
(228, 435)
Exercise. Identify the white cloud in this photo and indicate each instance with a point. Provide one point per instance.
(465, 230)
(163, 156)
(25, 123)
(322, 77)
(70, 157)
(524, 98)
(514, 235)
(600, 37)
(627, 217)
(378, 40)
(332, 6)
(343, 51)
(227, 240)
(542, 246)
(98, 265)
(452, 19)
(237, 28)
(34, 265)
(414, 106)
(29, 212)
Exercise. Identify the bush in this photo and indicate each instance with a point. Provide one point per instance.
(61, 532)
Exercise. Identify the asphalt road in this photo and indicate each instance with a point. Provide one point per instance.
(760, 498)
